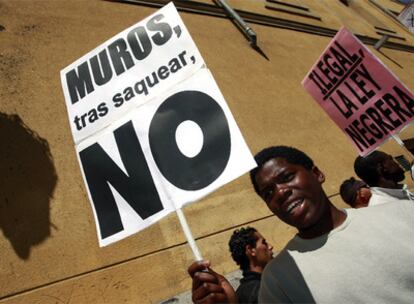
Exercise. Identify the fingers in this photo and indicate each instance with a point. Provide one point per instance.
(209, 293)
(197, 266)
(206, 289)
(228, 295)
(207, 284)
(229, 291)
(204, 276)
(219, 277)
(212, 299)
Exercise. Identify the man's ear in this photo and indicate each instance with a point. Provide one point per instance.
(250, 250)
(318, 174)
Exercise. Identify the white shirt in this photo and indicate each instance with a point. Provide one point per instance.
(368, 259)
(385, 195)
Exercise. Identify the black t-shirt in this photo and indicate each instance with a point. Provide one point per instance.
(248, 291)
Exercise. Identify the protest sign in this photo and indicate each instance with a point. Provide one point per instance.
(142, 162)
(128, 70)
(151, 152)
(360, 94)
(407, 16)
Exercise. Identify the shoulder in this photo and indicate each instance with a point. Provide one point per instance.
(283, 282)
(248, 291)
(379, 198)
(393, 205)
(275, 267)
(392, 212)
(271, 289)
(385, 195)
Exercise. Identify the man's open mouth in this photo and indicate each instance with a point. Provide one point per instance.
(293, 205)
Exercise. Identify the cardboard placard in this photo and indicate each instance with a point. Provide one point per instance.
(359, 93)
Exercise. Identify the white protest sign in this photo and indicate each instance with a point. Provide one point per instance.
(128, 70)
(140, 162)
(407, 16)
(155, 152)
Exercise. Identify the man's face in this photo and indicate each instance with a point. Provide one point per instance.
(362, 198)
(263, 250)
(293, 193)
(391, 170)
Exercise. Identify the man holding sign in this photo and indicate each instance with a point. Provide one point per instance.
(338, 256)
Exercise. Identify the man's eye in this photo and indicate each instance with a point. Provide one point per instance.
(267, 195)
(287, 177)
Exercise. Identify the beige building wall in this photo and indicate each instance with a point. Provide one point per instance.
(48, 244)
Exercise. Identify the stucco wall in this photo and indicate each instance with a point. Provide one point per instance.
(49, 249)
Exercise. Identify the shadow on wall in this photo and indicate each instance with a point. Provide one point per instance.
(27, 181)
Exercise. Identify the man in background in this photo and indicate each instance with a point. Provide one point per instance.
(384, 176)
(355, 193)
(251, 252)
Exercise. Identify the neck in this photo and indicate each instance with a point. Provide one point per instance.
(330, 218)
(360, 205)
(256, 268)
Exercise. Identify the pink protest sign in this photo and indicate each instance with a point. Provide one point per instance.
(362, 96)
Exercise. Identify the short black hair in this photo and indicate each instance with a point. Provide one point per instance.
(349, 189)
(292, 155)
(367, 167)
(237, 244)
